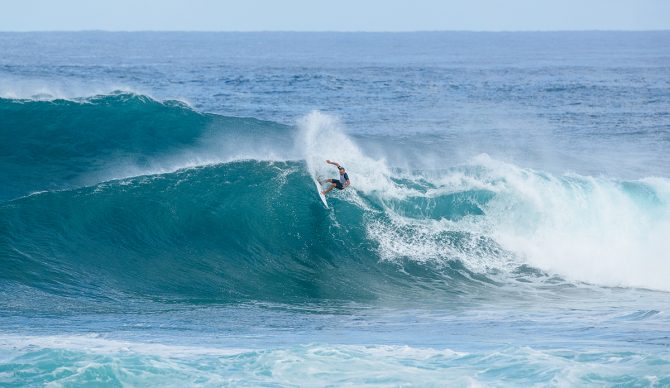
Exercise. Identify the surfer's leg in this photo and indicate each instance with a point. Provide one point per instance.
(326, 191)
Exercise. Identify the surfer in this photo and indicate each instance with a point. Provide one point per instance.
(341, 183)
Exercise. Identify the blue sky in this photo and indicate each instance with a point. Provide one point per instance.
(334, 15)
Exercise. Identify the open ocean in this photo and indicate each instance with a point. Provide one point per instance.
(508, 221)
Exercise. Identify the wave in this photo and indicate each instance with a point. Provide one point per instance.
(238, 231)
(61, 143)
(256, 230)
(231, 227)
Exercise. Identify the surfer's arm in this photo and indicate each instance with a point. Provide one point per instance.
(333, 163)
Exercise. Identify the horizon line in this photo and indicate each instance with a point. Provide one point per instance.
(335, 31)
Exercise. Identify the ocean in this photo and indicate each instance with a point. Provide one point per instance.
(507, 223)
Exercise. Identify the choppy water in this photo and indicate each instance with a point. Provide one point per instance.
(507, 221)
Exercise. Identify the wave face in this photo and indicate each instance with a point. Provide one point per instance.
(197, 215)
(237, 231)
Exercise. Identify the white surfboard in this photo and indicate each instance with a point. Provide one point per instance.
(318, 190)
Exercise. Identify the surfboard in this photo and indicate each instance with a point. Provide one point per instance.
(318, 190)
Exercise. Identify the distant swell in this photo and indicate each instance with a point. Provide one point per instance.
(64, 143)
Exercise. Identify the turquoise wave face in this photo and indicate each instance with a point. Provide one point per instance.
(238, 231)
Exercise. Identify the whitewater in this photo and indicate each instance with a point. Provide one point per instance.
(507, 221)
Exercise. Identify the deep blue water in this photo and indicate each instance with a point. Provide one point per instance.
(507, 221)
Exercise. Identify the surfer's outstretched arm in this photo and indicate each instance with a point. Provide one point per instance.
(333, 163)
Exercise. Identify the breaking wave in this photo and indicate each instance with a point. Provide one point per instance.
(122, 194)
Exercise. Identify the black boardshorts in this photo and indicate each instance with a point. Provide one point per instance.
(338, 184)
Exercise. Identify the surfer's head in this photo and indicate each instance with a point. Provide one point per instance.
(341, 169)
